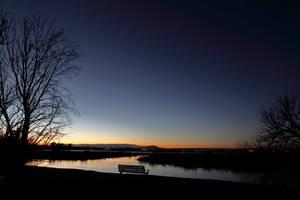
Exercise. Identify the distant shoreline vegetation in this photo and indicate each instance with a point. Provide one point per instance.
(276, 168)
(78, 155)
(236, 160)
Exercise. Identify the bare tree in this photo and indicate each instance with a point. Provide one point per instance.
(35, 60)
(7, 99)
(253, 142)
(281, 123)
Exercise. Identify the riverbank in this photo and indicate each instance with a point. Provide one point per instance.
(73, 182)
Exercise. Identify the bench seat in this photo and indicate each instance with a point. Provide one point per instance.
(133, 169)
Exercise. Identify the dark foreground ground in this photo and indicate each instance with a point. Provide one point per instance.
(58, 183)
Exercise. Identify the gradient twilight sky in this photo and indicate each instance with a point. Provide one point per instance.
(175, 73)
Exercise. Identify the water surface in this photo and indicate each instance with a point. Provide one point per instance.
(111, 165)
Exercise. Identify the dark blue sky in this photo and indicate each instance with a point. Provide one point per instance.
(175, 73)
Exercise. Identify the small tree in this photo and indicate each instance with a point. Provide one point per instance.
(35, 60)
(281, 123)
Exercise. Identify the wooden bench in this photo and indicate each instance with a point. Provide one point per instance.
(133, 169)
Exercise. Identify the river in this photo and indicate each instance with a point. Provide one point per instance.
(110, 165)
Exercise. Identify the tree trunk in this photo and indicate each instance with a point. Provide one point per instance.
(9, 131)
(25, 131)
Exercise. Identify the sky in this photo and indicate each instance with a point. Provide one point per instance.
(175, 73)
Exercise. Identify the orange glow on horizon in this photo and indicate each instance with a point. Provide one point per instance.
(178, 141)
(172, 144)
(138, 137)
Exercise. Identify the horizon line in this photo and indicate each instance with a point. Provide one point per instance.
(159, 146)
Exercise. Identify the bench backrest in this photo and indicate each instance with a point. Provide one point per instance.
(132, 168)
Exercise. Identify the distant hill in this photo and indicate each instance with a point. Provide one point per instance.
(116, 146)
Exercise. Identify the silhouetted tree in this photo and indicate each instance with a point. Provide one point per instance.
(35, 60)
(252, 142)
(281, 123)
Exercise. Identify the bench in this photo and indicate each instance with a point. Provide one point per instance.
(133, 169)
